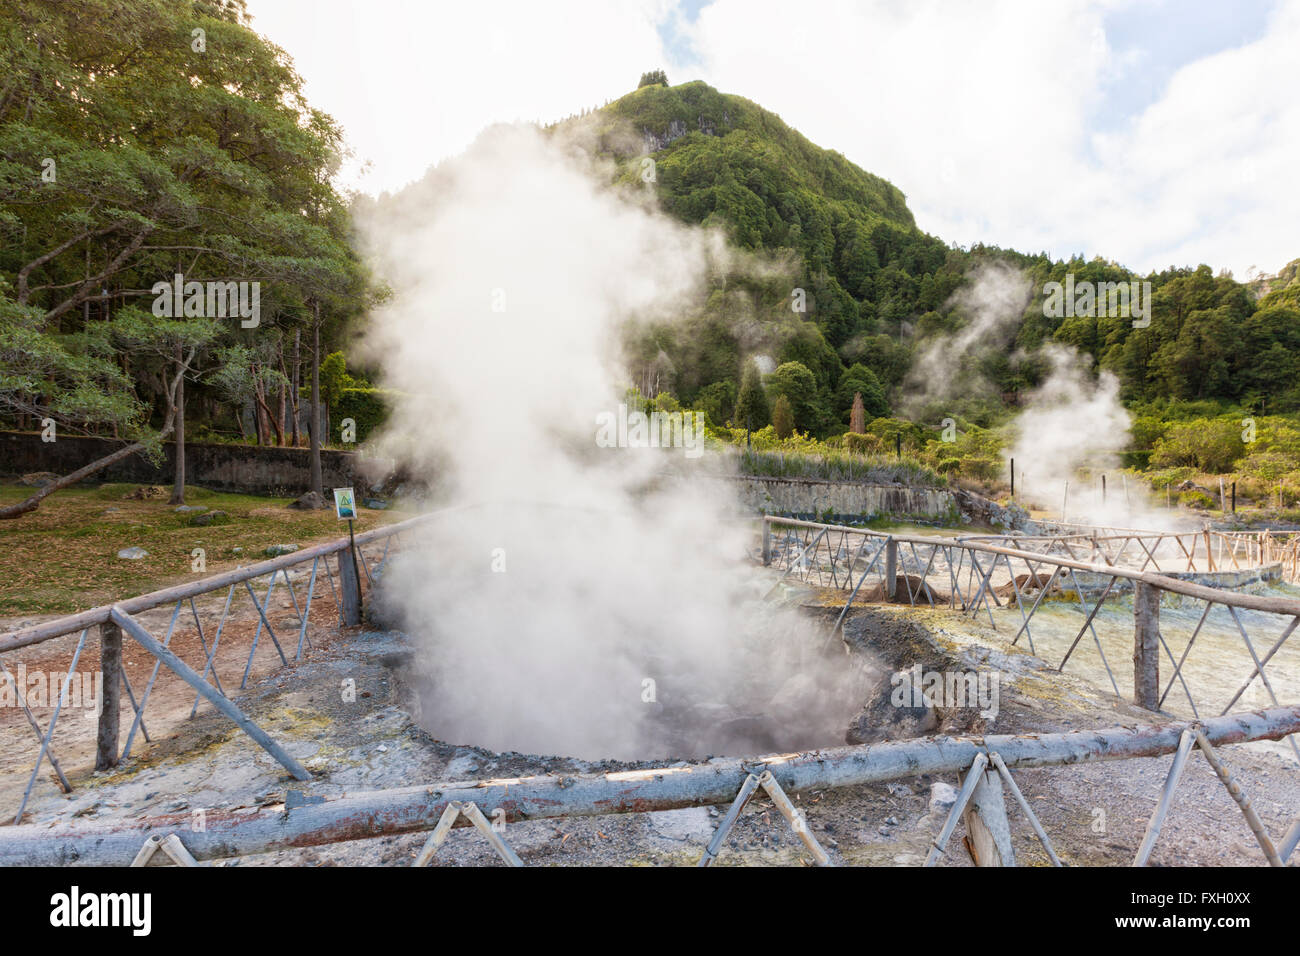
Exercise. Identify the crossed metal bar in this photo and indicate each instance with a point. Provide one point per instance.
(212, 690)
(793, 816)
(979, 558)
(1194, 735)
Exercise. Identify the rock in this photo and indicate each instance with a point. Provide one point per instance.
(460, 766)
(208, 518)
(982, 510)
(688, 825)
(133, 554)
(147, 493)
(275, 550)
(38, 479)
(375, 504)
(899, 790)
(942, 797)
(309, 502)
(186, 509)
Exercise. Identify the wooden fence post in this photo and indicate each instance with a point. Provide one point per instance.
(987, 828)
(1146, 645)
(110, 667)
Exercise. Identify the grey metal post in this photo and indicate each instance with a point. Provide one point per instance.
(350, 586)
(110, 666)
(1146, 646)
(891, 567)
(767, 542)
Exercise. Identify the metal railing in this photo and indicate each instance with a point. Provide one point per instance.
(935, 572)
(1190, 551)
(110, 620)
(975, 577)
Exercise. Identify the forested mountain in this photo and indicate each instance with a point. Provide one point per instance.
(879, 290)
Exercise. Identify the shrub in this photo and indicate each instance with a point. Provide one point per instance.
(782, 418)
(865, 444)
(1211, 445)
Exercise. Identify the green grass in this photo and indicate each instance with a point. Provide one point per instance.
(63, 557)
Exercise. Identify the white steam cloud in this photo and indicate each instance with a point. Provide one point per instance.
(993, 303)
(583, 605)
(1072, 428)
(1072, 422)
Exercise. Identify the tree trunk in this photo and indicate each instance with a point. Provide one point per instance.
(279, 354)
(317, 482)
(279, 435)
(178, 482)
(295, 384)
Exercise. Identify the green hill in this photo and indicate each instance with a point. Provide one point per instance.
(879, 290)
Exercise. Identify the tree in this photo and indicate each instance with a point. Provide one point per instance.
(751, 407)
(333, 378)
(653, 78)
(782, 418)
(860, 381)
(793, 381)
(857, 416)
(129, 155)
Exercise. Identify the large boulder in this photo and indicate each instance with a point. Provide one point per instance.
(309, 502)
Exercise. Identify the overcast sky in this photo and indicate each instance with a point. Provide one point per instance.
(1155, 133)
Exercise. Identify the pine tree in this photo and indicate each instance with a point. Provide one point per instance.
(751, 407)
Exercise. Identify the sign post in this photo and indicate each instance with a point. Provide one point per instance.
(345, 508)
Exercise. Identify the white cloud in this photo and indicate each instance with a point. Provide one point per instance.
(414, 82)
(986, 115)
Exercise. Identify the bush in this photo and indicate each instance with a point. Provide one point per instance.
(782, 418)
(1211, 445)
(981, 469)
(865, 444)
(368, 407)
(1196, 499)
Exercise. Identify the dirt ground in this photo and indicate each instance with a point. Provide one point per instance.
(364, 739)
